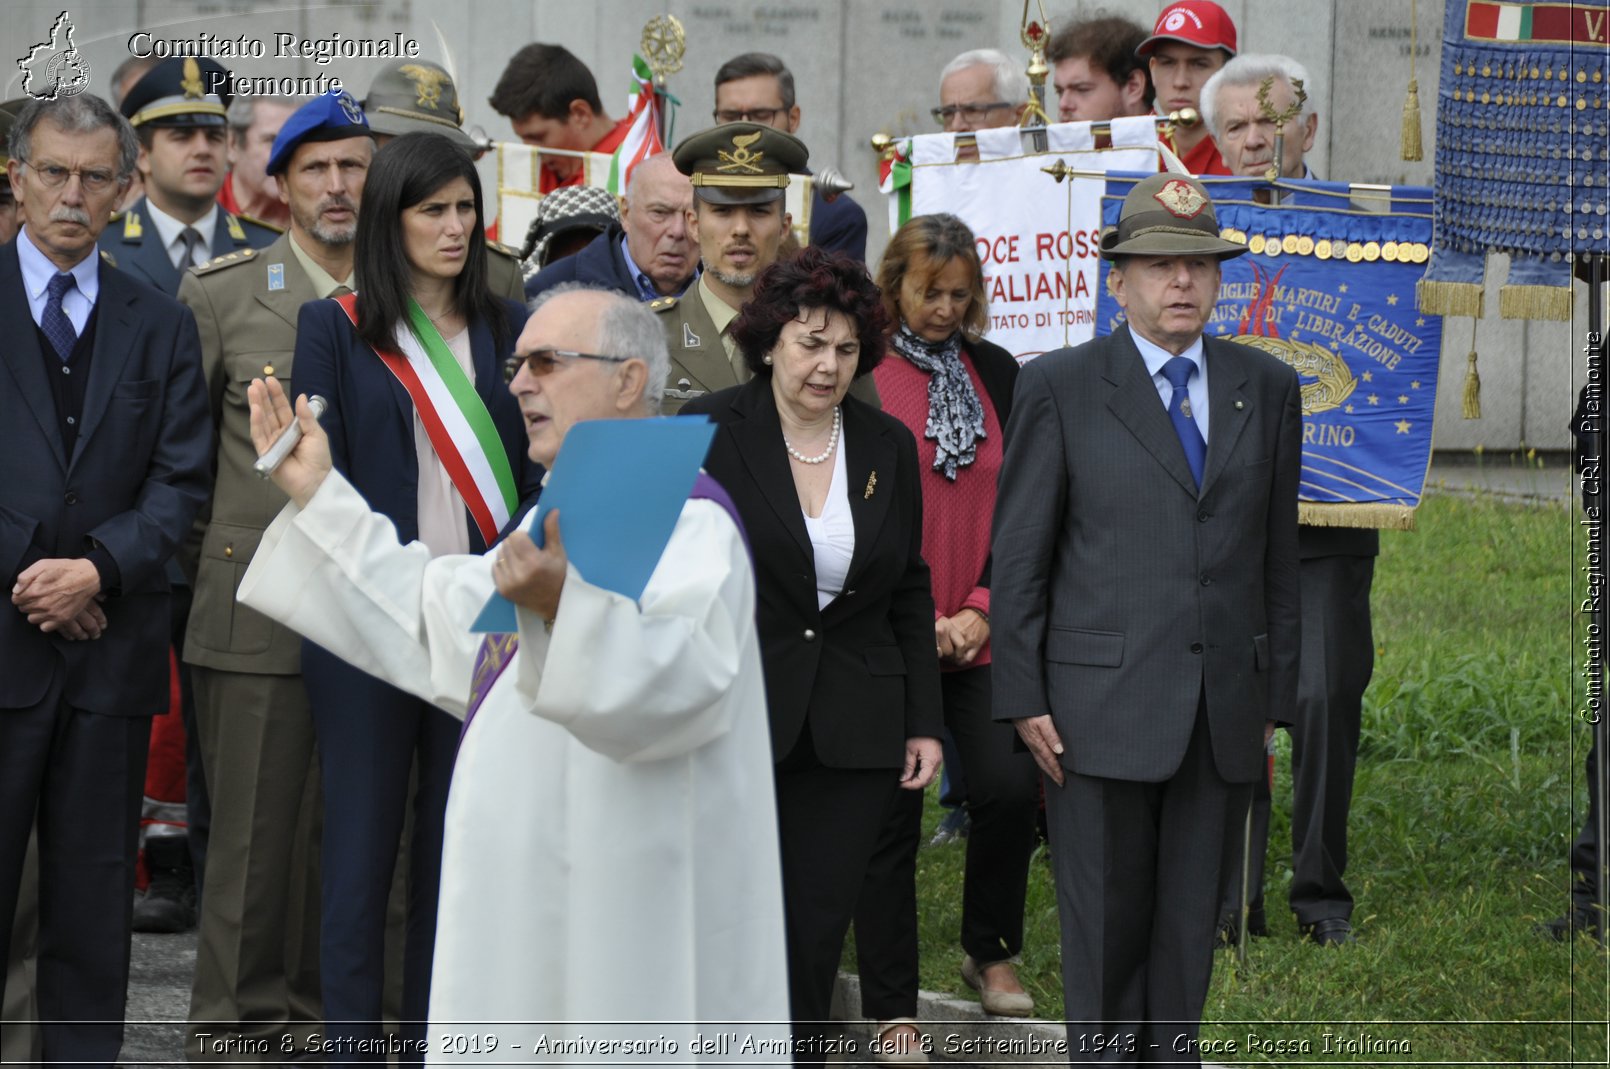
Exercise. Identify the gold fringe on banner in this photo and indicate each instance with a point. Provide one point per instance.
(1450, 298)
(1409, 142)
(1356, 514)
(1535, 302)
(1471, 405)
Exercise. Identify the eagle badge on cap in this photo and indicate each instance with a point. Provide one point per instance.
(741, 160)
(1181, 199)
(192, 79)
(427, 84)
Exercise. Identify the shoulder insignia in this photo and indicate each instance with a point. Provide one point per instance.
(498, 246)
(132, 230)
(236, 232)
(254, 221)
(662, 304)
(217, 263)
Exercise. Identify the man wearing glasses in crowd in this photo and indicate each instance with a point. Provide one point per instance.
(757, 87)
(979, 90)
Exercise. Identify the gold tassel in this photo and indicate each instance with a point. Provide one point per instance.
(1369, 514)
(1472, 400)
(1450, 298)
(1410, 141)
(1535, 302)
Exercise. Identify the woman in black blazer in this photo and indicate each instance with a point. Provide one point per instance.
(827, 488)
(421, 269)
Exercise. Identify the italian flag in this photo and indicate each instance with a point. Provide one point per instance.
(894, 180)
(643, 136)
(1539, 23)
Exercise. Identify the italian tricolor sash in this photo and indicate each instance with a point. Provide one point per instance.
(455, 418)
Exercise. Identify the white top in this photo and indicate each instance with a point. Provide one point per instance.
(1196, 389)
(443, 520)
(832, 533)
(610, 852)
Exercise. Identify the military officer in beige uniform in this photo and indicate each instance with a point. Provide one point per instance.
(257, 962)
(740, 173)
(411, 96)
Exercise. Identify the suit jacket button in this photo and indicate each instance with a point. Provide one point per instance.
(809, 635)
(1206, 581)
(1202, 517)
(72, 498)
(1196, 647)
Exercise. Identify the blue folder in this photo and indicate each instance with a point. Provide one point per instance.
(619, 486)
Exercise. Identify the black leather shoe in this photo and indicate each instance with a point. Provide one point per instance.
(1330, 932)
(1565, 927)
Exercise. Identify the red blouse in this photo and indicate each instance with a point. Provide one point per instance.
(956, 516)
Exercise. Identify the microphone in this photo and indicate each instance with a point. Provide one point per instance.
(287, 440)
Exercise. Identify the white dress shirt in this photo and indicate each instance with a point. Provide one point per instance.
(37, 271)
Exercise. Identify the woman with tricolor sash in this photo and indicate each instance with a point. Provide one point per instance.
(420, 422)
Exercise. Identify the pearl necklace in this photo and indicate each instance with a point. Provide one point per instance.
(832, 440)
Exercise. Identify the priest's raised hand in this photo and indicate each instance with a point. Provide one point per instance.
(301, 473)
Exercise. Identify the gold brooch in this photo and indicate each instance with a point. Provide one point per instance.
(871, 485)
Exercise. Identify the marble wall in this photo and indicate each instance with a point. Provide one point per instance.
(863, 66)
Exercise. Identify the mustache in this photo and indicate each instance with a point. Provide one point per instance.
(337, 201)
(68, 214)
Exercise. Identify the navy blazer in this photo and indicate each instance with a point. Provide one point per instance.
(864, 671)
(139, 473)
(370, 420)
(135, 246)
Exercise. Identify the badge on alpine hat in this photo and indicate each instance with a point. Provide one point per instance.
(1167, 215)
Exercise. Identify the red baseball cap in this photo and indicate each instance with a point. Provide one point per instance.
(1194, 22)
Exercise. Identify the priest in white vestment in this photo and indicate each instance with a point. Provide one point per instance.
(610, 886)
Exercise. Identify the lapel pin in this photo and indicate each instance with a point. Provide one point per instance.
(871, 485)
(1239, 405)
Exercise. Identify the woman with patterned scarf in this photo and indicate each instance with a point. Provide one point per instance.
(954, 391)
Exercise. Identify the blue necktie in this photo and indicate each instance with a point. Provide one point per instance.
(57, 327)
(1178, 372)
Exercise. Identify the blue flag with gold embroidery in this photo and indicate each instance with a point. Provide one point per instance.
(1328, 286)
(1523, 136)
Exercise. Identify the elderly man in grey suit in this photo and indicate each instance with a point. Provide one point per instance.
(1146, 617)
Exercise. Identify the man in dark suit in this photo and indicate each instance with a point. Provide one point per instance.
(103, 466)
(1146, 618)
(179, 117)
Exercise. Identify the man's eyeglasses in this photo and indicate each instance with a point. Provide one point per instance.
(973, 113)
(763, 116)
(54, 176)
(540, 362)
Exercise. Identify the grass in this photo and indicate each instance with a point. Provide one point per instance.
(1467, 797)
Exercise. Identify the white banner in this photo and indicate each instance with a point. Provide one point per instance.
(1037, 237)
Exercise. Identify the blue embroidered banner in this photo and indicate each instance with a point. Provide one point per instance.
(1328, 287)
(1523, 131)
